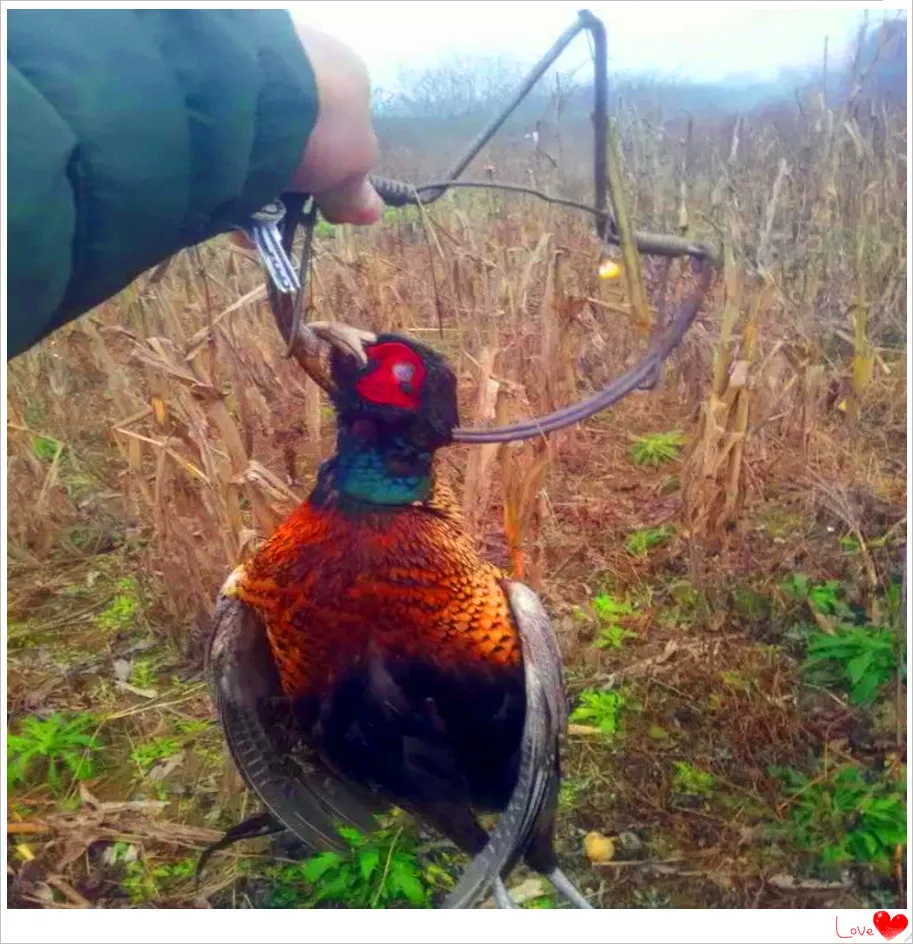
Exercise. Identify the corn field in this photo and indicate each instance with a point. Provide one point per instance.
(155, 442)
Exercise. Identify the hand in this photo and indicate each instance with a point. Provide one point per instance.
(343, 147)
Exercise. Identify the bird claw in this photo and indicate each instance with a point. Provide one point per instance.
(343, 337)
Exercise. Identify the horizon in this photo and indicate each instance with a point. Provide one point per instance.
(745, 43)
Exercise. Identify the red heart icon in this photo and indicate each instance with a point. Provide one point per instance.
(889, 927)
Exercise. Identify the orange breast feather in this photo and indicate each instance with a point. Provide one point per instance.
(404, 584)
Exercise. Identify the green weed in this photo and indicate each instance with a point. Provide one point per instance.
(735, 681)
(751, 605)
(613, 637)
(191, 727)
(57, 745)
(138, 883)
(690, 605)
(826, 598)
(147, 755)
(46, 448)
(602, 709)
(376, 871)
(136, 878)
(780, 523)
(858, 659)
(691, 780)
(655, 449)
(843, 818)
(543, 901)
(644, 540)
(122, 610)
(143, 674)
(571, 791)
(609, 611)
(169, 874)
(651, 898)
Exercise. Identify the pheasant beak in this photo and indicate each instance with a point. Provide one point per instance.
(314, 342)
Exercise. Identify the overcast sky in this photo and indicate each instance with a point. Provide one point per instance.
(693, 40)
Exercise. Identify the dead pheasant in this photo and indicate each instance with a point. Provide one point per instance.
(367, 656)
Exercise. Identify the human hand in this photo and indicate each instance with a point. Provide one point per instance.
(343, 147)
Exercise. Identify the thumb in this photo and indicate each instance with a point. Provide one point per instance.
(354, 201)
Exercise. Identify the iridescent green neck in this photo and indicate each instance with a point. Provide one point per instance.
(390, 473)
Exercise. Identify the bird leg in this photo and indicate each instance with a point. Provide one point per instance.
(502, 896)
(567, 889)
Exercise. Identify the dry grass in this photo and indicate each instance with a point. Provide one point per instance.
(157, 439)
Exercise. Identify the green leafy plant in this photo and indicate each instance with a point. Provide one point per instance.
(46, 448)
(655, 449)
(735, 681)
(57, 744)
(570, 792)
(376, 871)
(144, 883)
(614, 636)
(602, 709)
(691, 780)
(192, 727)
(543, 901)
(750, 604)
(690, 605)
(147, 755)
(137, 879)
(651, 898)
(121, 611)
(609, 612)
(644, 540)
(843, 818)
(143, 674)
(171, 874)
(858, 659)
(826, 598)
(781, 523)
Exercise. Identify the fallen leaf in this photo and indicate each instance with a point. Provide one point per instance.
(121, 669)
(587, 730)
(162, 769)
(790, 882)
(527, 890)
(27, 828)
(142, 692)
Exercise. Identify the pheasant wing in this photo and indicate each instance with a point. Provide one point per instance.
(532, 802)
(292, 782)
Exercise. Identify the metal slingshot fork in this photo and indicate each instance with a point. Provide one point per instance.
(273, 231)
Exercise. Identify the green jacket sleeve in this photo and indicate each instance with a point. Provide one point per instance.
(133, 134)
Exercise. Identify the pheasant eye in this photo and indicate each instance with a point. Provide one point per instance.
(394, 377)
(403, 372)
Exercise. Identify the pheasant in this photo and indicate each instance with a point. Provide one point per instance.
(367, 656)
